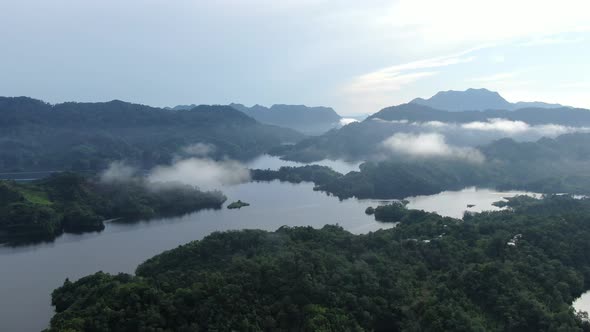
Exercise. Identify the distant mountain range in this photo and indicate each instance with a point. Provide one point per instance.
(476, 100)
(308, 120)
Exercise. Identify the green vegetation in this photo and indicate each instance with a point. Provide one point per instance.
(392, 212)
(237, 205)
(546, 166)
(430, 273)
(309, 173)
(69, 202)
(88, 136)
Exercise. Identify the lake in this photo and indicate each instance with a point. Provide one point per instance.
(30, 273)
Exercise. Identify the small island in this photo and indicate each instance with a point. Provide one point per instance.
(469, 206)
(237, 205)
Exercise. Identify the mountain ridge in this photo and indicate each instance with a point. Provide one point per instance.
(310, 120)
(476, 100)
(35, 135)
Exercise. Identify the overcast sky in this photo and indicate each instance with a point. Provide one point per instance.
(356, 56)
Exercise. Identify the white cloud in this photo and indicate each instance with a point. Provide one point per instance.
(552, 40)
(404, 121)
(498, 58)
(435, 124)
(430, 145)
(427, 63)
(373, 90)
(513, 128)
(507, 126)
(456, 21)
(347, 121)
(498, 127)
(203, 173)
(384, 80)
(118, 171)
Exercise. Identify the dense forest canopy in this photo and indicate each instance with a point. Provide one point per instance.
(516, 270)
(87, 136)
(69, 202)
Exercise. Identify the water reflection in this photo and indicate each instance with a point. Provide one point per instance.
(274, 163)
(455, 203)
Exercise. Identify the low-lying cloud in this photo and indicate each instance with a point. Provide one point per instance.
(501, 127)
(118, 171)
(201, 172)
(197, 170)
(512, 127)
(347, 121)
(427, 145)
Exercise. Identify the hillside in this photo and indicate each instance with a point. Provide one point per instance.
(465, 128)
(309, 120)
(80, 136)
(560, 165)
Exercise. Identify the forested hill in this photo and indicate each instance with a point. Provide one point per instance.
(546, 166)
(502, 271)
(79, 136)
(309, 120)
(362, 141)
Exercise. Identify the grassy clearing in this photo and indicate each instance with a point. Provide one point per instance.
(35, 196)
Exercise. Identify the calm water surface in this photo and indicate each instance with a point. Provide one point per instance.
(30, 273)
(454, 203)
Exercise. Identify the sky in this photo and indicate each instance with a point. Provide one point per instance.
(355, 56)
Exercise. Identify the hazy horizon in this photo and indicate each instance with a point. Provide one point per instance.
(356, 58)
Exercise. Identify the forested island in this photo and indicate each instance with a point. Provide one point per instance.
(237, 205)
(430, 273)
(69, 202)
(392, 212)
